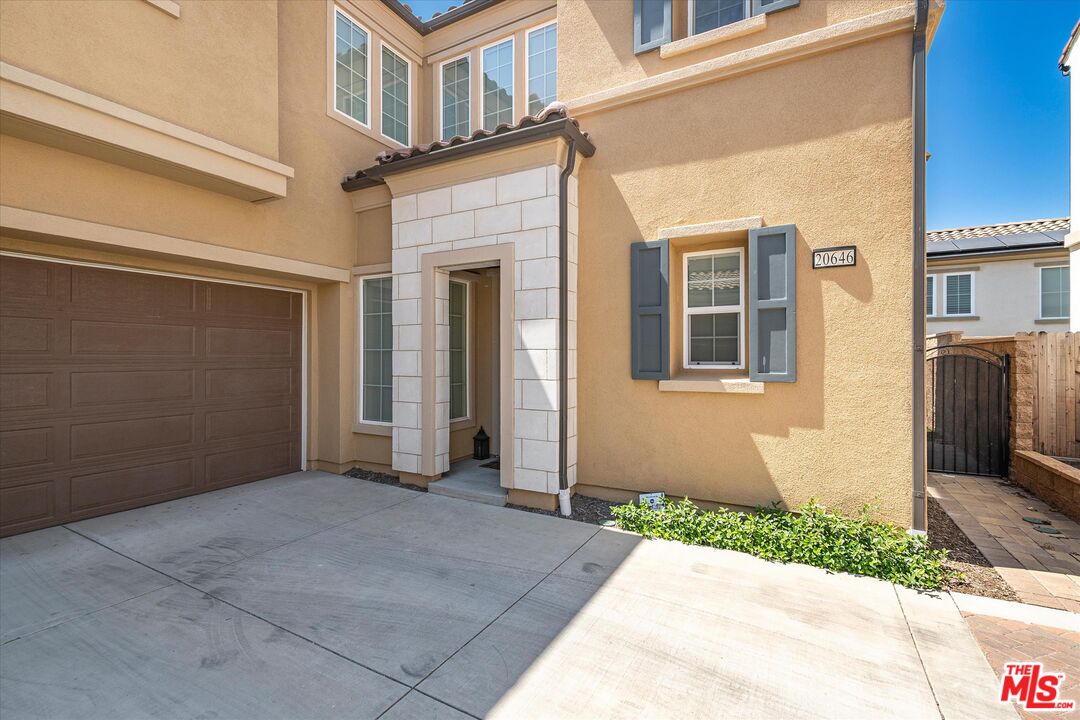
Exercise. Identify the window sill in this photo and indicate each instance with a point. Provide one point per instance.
(739, 385)
(940, 318)
(1051, 321)
(462, 423)
(753, 24)
(373, 429)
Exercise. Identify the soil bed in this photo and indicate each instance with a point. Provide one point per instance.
(980, 577)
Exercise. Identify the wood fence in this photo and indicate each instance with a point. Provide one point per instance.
(1055, 365)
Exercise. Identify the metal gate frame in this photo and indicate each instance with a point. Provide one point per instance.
(996, 363)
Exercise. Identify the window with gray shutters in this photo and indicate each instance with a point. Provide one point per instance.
(772, 303)
(649, 323)
(376, 352)
(652, 24)
(713, 308)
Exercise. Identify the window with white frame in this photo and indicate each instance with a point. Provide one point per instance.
(930, 294)
(498, 84)
(456, 98)
(708, 15)
(395, 96)
(958, 294)
(542, 67)
(459, 350)
(376, 350)
(1054, 293)
(351, 68)
(713, 302)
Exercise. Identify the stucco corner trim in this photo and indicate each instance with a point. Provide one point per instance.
(51, 113)
(842, 34)
(717, 227)
(30, 224)
(169, 7)
(743, 386)
(752, 24)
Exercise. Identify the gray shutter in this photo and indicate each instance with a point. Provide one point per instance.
(760, 7)
(772, 304)
(652, 24)
(649, 323)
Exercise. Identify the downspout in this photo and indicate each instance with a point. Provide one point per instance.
(564, 325)
(918, 272)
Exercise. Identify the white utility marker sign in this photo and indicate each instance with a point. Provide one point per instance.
(843, 256)
(654, 500)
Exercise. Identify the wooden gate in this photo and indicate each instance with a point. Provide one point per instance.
(967, 410)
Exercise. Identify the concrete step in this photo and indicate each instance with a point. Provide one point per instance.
(471, 483)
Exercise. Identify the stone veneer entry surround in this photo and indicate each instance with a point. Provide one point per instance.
(520, 210)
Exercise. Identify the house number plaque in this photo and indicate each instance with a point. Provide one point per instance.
(843, 256)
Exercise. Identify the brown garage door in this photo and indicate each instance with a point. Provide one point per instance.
(120, 389)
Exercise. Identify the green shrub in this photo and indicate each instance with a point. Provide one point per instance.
(814, 535)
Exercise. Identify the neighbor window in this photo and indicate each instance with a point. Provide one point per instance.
(459, 350)
(958, 294)
(708, 15)
(498, 84)
(929, 294)
(713, 283)
(455, 98)
(543, 60)
(395, 96)
(376, 352)
(351, 68)
(1054, 292)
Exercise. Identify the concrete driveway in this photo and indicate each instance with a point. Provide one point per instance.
(316, 595)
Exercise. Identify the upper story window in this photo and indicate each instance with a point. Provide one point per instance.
(395, 96)
(959, 294)
(498, 84)
(541, 67)
(713, 283)
(351, 68)
(652, 18)
(455, 106)
(1054, 293)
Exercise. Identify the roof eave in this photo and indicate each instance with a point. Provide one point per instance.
(425, 27)
(983, 253)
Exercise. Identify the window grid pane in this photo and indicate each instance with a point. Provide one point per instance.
(543, 62)
(711, 14)
(395, 96)
(713, 281)
(459, 406)
(498, 82)
(1054, 291)
(714, 338)
(455, 98)
(350, 69)
(958, 295)
(377, 358)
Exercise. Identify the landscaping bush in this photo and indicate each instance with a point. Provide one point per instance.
(814, 535)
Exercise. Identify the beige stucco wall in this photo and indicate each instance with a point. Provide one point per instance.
(824, 143)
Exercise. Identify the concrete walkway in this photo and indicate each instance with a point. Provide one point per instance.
(316, 595)
(1043, 569)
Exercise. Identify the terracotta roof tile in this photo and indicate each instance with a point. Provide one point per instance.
(980, 231)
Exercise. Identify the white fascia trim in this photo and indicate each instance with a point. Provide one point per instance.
(51, 105)
(870, 27)
(35, 225)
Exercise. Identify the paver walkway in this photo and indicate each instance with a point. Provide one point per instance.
(1043, 569)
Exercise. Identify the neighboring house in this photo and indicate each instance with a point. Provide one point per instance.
(1072, 240)
(998, 279)
(622, 294)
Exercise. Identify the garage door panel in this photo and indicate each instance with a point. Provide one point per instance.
(110, 387)
(120, 389)
(139, 484)
(151, 294)
(100, 337)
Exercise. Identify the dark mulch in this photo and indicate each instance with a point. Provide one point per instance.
(582, 508)
(381, 478)
(979, 576)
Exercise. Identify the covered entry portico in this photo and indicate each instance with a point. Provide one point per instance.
(504, 199)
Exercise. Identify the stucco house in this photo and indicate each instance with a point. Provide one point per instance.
(243, 238)
(998, 279)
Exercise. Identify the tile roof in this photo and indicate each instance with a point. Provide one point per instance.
(554, 111)
(1006, 237)
(439, 19)
(1015, 228)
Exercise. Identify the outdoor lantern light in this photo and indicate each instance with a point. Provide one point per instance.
(481, 444)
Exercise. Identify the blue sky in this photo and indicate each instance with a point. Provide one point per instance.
(997, 110)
